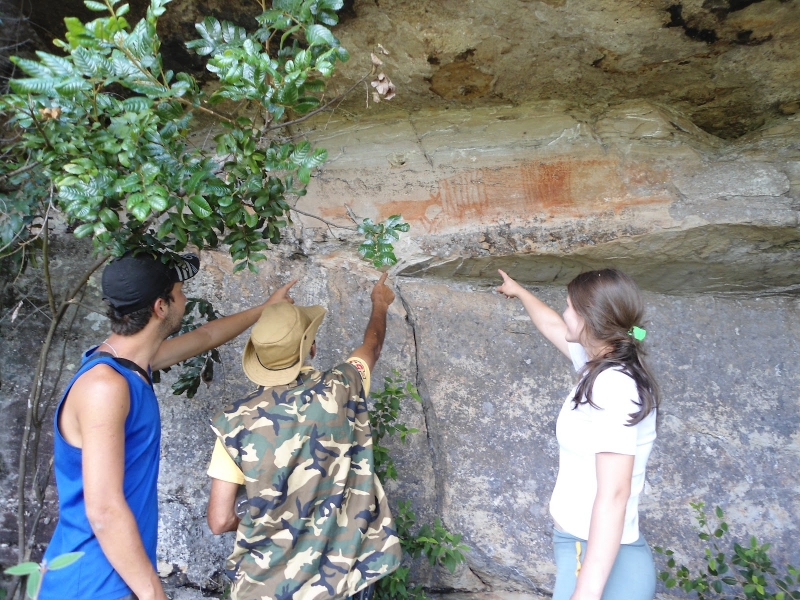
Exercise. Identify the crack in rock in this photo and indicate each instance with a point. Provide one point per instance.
(428, 411)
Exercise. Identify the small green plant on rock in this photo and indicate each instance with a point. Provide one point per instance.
(379, 240)
(435, 542)
(746, 574)
(35, 571)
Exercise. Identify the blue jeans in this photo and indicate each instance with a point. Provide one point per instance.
(633, 576)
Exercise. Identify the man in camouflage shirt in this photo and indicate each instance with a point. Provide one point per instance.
(316, 523)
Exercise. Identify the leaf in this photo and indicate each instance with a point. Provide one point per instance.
(95, 6)
(59, 65)
(32, 67)
(64, 560)
(304, 175)
(158, 203)
(269, 16)
(233, 34)
(32, 86)
(72, 85)
(303, 107)
(319, 156)
(199, 206)
(21, 569)
(32, 587)
(328, 18)
(83, 230)
(90, 62)
(287, 94)
(141, 211)
(109, 218)
(334, 5)
(318, 35)
(137, 103)
(324, 67)
(300, 153)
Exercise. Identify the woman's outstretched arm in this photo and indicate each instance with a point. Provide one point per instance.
(547, 321)
(614, 473)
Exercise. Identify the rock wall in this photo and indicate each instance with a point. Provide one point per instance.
(731, 65)
(708, 228)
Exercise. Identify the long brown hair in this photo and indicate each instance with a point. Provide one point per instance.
(610, 304)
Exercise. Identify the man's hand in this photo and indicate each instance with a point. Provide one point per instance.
(282, 294)
(509, 288)
(382, 294)
(214, 333)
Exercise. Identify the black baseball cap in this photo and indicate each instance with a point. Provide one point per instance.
(132, 282)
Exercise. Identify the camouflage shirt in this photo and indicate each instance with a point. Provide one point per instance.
(317, 523)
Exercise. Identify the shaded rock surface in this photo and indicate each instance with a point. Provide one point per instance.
(730, 64)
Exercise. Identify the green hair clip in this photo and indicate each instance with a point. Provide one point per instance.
(637, 332)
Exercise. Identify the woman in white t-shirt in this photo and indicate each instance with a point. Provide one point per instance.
(605, 431)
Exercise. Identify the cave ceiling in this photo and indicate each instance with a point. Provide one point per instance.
(731, 66)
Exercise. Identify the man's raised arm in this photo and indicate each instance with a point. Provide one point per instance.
(382, 296)
(214, 333)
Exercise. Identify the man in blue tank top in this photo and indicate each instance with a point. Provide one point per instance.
(108, 431)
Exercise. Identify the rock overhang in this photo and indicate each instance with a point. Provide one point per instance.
(730, 65)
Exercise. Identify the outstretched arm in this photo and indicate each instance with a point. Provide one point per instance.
(370, 350)
(547, 321)
(614, 473)
(102, 402)
(214, 333)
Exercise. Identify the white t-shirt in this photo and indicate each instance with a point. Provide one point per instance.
(585, 431)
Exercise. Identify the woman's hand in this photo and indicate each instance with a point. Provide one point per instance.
(509, 288)
(546, 320)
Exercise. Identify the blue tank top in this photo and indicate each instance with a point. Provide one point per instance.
(92, 577)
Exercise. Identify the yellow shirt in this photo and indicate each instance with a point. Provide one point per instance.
(223, 467)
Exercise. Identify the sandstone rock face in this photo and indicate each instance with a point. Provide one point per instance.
(709, 230)
(485, 458)
(543, 138)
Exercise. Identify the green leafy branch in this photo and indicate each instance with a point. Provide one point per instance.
(380, 238)
(748, 573)
(121, 164)
(435, 543)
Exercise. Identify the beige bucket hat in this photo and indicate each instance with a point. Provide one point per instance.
(280, 342)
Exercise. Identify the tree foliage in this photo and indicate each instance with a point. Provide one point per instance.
(102, 132)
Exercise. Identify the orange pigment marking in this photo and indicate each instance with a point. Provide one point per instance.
(566, 188)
